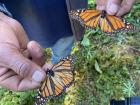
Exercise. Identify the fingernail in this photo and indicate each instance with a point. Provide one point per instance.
(112, 8)
(38, 76)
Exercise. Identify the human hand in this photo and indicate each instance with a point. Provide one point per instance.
(115, 7)
(17, 72)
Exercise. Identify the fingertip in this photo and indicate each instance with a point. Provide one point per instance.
(38, 76)
(32, 43)
(36, 52)
(35, 48)
(123, 10)
(112, 8)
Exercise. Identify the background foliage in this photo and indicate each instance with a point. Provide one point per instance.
(106, 67)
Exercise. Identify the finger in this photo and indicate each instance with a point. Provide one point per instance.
(125, 7)
(15, 82)
(36, 52)
(25, 53)
(20, 33)
(24, 67)
(101, 4)
(10, 80)
(13, 59)
(113, 6)
(47, 66)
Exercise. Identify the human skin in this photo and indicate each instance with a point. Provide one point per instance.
(17, 71)
(115, 7)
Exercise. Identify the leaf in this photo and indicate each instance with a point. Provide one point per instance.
(85, 42)
(97, 67)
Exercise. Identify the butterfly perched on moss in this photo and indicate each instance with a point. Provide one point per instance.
(110, 24)
(58, 79)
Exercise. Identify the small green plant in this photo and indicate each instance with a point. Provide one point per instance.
(129, 88)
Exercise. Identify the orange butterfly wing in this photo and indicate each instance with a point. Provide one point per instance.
(112, 24)
(87, 18)
(130, 27)
(115, 24)
(54, 86)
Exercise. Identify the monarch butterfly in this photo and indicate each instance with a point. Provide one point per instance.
(91, 19)
(58, 78)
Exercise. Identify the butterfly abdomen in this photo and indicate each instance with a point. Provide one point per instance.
(103, 14)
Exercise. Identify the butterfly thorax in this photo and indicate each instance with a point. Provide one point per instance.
(49, 72)
(103, 14)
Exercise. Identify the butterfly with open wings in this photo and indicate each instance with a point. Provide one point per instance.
(58, 79)
(92, 18)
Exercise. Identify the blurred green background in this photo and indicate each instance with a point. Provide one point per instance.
(106, 67)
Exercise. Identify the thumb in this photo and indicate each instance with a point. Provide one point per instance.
(125, 7)
(113, 6)
(26, 68)
(101, 4)
(36, 52)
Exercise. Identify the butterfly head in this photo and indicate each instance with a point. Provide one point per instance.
(103, 14)
(74, 13)
(49, 72)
